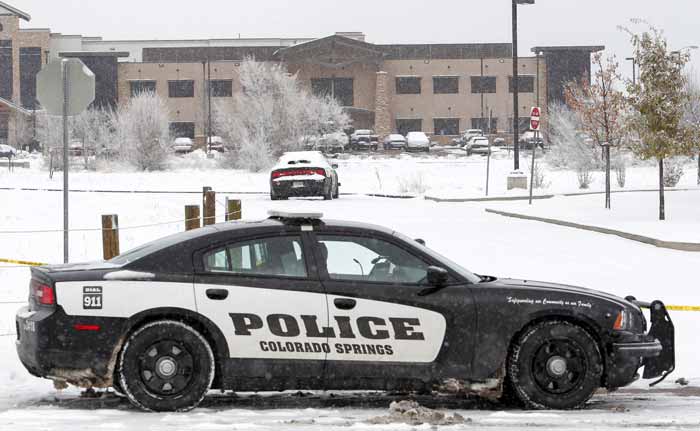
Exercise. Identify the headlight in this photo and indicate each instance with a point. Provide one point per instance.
(623, 320)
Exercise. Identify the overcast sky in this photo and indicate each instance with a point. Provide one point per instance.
(548, 22)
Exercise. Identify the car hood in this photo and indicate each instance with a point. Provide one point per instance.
(543, 286)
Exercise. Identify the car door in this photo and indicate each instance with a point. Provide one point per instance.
(387, 332)
(265, 296)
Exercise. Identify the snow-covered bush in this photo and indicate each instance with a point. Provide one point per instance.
(673, 171)
(142, 132)
(271, 115)
(413, 182)
(618, 162)
(539, 178)
(93, 128)
(569, 148)
(585, 177)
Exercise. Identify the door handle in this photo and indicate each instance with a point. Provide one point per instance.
(344, 303)
(217, 294)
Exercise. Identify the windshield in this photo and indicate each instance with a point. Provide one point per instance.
(468, 275)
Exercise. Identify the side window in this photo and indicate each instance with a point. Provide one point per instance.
(275, 256)
(369, 259)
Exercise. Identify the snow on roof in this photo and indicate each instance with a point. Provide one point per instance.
(295, 215)
(14, 11)
(301, 158)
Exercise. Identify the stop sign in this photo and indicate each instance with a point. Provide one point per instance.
(535, 118)
(81, 86)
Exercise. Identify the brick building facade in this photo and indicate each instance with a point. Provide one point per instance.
(441, 89)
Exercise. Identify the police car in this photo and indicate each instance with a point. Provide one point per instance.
(300, 302)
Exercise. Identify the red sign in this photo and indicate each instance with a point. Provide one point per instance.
(535, 118)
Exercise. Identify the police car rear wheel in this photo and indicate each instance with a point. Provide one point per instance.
(555, 364)
(166, 366)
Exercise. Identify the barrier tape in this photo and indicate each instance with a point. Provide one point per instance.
(22, 262)
(683, 307)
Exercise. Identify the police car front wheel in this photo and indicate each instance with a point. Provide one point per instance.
(166, 366)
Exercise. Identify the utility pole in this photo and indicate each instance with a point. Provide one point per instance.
(209, 101)
(516, 110)
(66, 92)
(516, 119)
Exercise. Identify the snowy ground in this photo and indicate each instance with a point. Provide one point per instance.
(631, 212)
(485, 243)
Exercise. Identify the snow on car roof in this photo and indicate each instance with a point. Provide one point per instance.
(301, 157)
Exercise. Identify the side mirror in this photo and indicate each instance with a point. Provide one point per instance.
(437, 276)
(334, 166)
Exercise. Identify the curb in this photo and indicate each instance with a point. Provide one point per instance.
(550, 196)
(672, 245)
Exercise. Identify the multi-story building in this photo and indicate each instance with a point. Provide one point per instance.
(440, 89)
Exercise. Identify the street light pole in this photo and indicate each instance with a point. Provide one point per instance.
(634, 69)
(516, 119)
(516, 116)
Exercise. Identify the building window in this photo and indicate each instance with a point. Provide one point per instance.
(6, 78)
(341, 89)
(483, 84)
(445, 84)
(526, 84)
(483, 124)
(138, 87)
(221, 88)
(181, 88)
(446, 126)
(4, 127)
(29, 66)
(403, 126)
(408, 85)
(524, 124)
(182, 129)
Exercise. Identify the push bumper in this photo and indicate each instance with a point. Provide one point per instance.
(655, 351)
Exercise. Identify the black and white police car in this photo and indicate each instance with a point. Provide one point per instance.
(301, 302)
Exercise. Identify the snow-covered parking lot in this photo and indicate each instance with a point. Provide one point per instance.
(485, 243)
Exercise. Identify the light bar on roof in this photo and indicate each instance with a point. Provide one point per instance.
(295, 215)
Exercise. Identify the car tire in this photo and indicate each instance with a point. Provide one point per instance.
(328, 194)
(166, 366)
(554, 365)
(336, 195)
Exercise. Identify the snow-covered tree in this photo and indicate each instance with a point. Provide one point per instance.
(270, 115)
(142, 131)
(601, 106)
(691, 115)
(93, 128)
(659, 99)
(569, 147)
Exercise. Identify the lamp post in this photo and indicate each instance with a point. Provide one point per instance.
(516, 117)
(634, 69)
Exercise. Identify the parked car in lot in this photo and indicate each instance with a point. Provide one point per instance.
(216, 143)
(527, 140)
(417, 141)
(332, 142)
(7, 152)
(469, 134)
(183, 145)
(364, 139)
(300, 302)
(478, 145)
(499, 142)
(395, 141)
(304, 173)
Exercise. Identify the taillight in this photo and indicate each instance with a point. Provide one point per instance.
(43, 293)
(299, 172)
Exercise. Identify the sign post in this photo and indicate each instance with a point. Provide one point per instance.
(65, 87)
(535, 123)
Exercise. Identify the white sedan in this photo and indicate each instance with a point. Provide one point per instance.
(417, 141)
